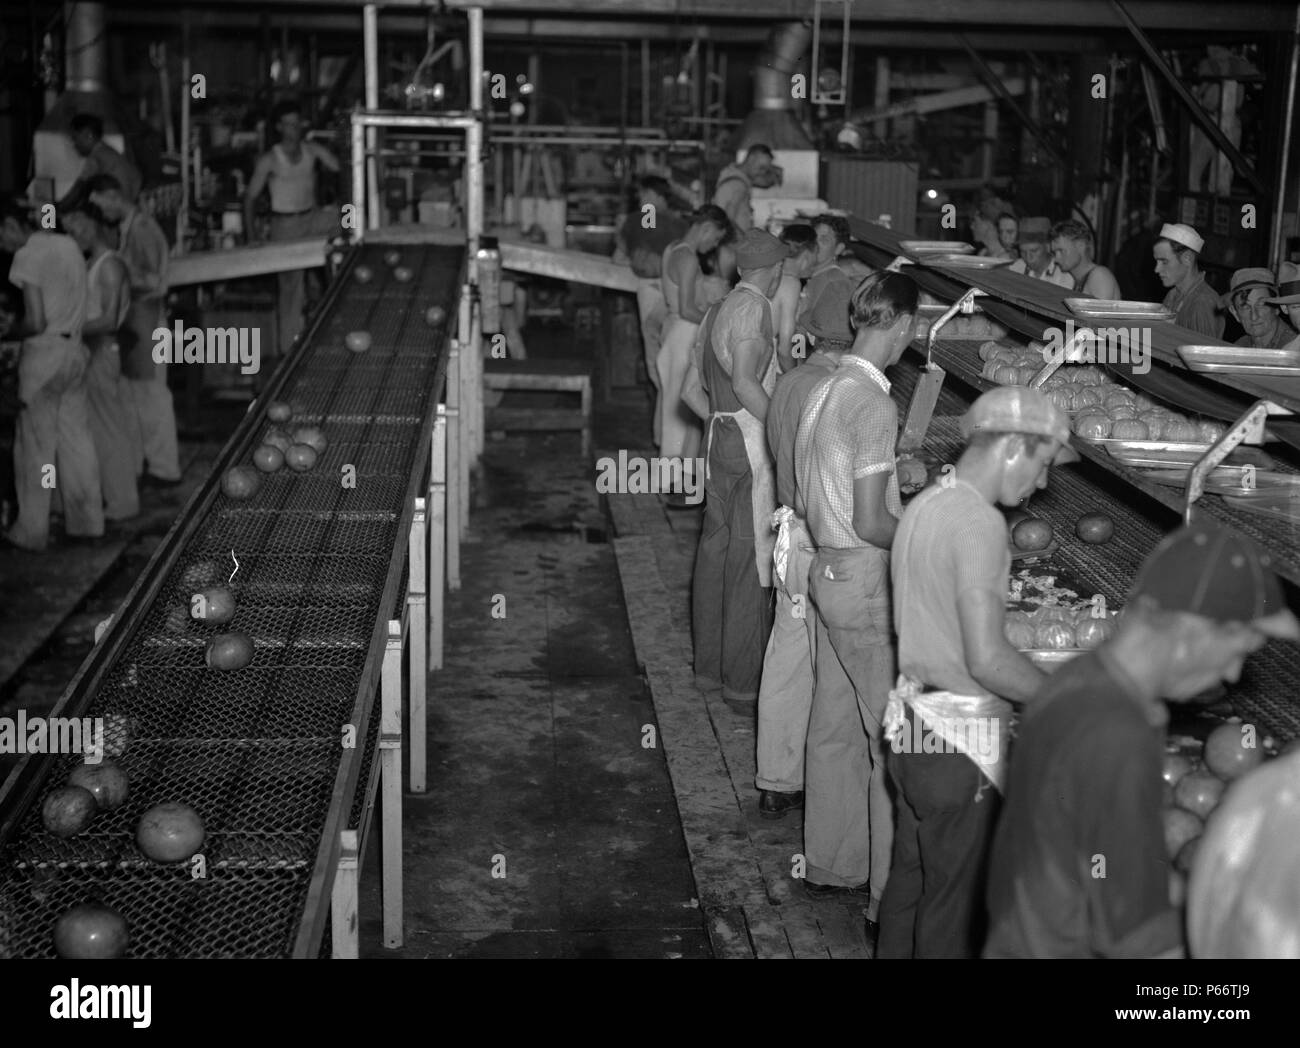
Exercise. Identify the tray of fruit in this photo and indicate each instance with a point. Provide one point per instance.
(1241, 360)
(1051, 636)
(1163, 454)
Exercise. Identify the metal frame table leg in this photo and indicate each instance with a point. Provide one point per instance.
(418, 638)
(390, 785)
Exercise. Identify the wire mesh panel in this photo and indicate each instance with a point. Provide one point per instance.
(257, 752)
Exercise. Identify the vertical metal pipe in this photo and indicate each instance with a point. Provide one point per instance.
(645, 83)
(182, 216)
(474, 141)
(359, 175)
(370, 48)
(1279, 199)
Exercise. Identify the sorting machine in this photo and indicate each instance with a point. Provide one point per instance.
(285, 759)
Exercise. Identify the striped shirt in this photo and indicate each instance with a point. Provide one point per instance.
(950, 541)
(1196, 309)
(847, 431)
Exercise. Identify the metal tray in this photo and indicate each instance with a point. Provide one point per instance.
(1157, 454)
(1049, 659)
(1227, 480)
(1117, 309)
(1241, 360)
(968, 261)
(1278, 505)
(930, 247)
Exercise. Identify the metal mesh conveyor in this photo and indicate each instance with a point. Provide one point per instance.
(256, 752)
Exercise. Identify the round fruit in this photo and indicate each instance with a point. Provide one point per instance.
(435, 316)
(301, 458)
(279, 411)
(1015, 516)
(362, 274)
(1187, 855)
(268, 458)
(1180, 827)
(1123, 413)
(1019, 632)
(68, 810)
(1093, 633)
(229, 651)
(1155, 424)
(1092, 426)
(1174, 767)
(216, 607)
(1179, 430)
(357, 341)
(1198, 792)
(1061, 397)
(240, 482)
(278, 438)
(1007, 375)
(402, 274)
(170, 832)
(1226, 752)
(106, 781)
(987, 349)
(1211, 432)
(1095, 528)
(1085, 397)
(1032, 534)
(90, 932)
(312, 436)
(1056, 636)
(392, 258)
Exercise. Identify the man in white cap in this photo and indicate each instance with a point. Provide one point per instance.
(1193, 302)
(846, 487)
(1287, 299)
(1079, 866)
(731, 595)
(1247, 300)
(948, 716)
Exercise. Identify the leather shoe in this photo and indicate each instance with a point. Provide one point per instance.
(830, 891)
(872, 930)
(774, 805)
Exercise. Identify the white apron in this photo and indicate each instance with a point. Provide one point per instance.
(762, 471)
(954, 718)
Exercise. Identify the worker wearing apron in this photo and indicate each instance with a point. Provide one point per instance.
(52, 445)
(786, 693)
(686, 295)
(143, 248)
(948, 717)
(847, 490)
(731, 596)
(112, 422)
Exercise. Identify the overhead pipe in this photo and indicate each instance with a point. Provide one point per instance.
(777, 63)
(85, 62)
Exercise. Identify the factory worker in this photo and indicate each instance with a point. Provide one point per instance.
(1247, 299)
(737, 181)
(731, 593)
(1072, 249)
(1079, 865)
(833, 261)
(1287, 298)
(801, 242)
(53, 447)
(1036, 257)
(847, 491)
(642, 238)
(100, 159)
(143, 248)
(687, 295)
(1194, 303)
(785, 694)
(288, 170)
(948, 718)
(113, 423)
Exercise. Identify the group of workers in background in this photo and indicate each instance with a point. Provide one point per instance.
(95, 411)
(857, 632)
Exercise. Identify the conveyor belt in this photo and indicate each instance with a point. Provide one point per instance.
(256, 752)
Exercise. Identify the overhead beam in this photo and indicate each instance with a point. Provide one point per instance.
(1249, 17)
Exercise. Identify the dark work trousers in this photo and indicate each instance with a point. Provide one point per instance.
(731, 613)
(946, 813)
